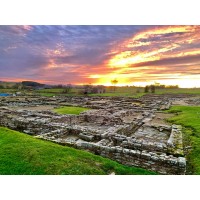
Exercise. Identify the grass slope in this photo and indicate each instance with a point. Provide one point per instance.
(189, 117)
(70, 110)
(23, 154)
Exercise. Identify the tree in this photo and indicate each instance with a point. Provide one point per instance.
(98, 89)
(87, 89)
(67, 88)
(152, 87)
(114, 83)
(59, 86)
(146, 89)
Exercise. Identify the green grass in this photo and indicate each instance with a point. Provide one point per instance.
(189, 117)
(70, 110)
(118, 94)
(56, 90)
(132, 92)
(22, 154)
(119, 91)
(178, 91)
(8, 90)
(123, 92)
(52, 90)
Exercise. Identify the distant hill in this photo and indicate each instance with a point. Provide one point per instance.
(32, 84)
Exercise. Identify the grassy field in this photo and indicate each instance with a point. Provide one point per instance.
(122, 91)
(133, 90)
(70, 110)
(189, 117)
(178, 91)
(56, 92)
(8, 90)
(118, 94)
(23, 154)
(119, 91)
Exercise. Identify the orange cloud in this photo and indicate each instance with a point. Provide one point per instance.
(151, 46)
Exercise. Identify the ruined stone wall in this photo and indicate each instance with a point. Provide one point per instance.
(162, 163)
(120, 130)
(125, 150)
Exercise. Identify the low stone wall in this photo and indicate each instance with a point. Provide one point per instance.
(148, 160)
(174, 143)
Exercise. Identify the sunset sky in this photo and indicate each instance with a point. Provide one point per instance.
(134, 55)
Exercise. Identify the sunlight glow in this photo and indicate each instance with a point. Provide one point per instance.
(154, 45)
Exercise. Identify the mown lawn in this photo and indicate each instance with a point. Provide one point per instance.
(22, 154)
(70, 110)
(189, 117)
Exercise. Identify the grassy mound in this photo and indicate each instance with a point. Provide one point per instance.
(23, 154)
(70, 110)
(189, 117)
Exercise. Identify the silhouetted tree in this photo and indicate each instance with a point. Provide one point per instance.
(146, 89)
(87, 89)
(114, 83)
(152, 87)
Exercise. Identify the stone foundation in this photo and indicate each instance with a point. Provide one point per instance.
(129, 131)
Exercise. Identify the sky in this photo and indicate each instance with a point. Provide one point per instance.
(134, 55)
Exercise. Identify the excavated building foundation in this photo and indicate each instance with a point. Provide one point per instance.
(130, 131)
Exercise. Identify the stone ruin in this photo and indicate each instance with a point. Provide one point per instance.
(131, 131)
